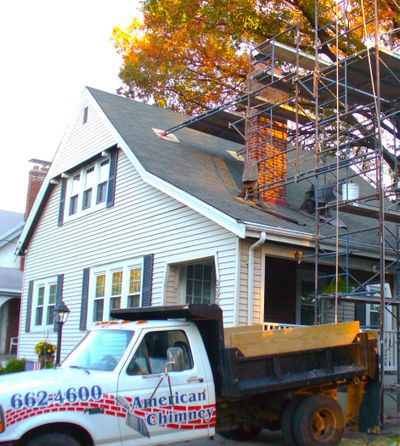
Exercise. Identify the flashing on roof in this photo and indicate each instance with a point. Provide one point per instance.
(167, 136)
(235, 155)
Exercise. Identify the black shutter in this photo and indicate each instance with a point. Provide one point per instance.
(29, 307)
(59, 293)
(147, 280)
(361, 313)
(62, 202)
(112, 178)
(85, 298)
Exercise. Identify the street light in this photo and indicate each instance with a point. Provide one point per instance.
(61, 312)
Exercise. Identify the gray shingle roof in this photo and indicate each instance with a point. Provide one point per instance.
(9, 220)
(10, 279)
(202, 166)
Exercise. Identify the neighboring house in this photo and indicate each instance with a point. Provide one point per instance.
(128, 218)
(11, 225)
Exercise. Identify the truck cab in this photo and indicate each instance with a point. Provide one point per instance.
(117, 387)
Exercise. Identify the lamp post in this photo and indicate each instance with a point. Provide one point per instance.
(61, 312)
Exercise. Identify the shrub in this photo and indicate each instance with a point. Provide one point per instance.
(13, 366)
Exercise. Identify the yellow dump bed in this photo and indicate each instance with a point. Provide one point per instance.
(255, 341)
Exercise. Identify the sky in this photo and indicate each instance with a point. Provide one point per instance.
(50, 50)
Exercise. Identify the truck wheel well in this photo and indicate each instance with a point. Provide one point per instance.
(73, 430)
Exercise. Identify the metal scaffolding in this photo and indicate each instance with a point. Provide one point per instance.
(340, 120)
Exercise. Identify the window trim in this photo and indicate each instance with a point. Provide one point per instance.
(46, 284)
(82, 173)
(182, 278)
(108, 270)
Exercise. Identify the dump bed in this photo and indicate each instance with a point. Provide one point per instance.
(249, 361)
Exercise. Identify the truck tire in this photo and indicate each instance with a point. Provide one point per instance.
(318, 420)
(242, 434)
(288, 419)
(53, 439)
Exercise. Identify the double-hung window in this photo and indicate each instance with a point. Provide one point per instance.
(87, 188)
(45, 293)
(118, 285)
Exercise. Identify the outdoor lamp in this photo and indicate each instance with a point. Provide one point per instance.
(61, 312)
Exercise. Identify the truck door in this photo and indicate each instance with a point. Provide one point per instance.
(164, 407)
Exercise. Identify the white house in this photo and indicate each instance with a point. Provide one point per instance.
(11, 225)
(126, 218)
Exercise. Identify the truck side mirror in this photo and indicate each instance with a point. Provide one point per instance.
(175, 359)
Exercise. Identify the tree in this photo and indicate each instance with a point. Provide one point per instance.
(190, 55)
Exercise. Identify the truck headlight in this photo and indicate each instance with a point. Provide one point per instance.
(2, 421)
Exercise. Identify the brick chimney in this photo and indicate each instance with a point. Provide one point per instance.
(36, 177)
(265, 142)
(266, 138)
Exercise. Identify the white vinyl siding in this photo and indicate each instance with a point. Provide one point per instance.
(142, 221)
(82, 141)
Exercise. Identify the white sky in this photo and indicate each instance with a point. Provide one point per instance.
(49, 51)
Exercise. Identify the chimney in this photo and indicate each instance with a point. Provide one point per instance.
(36, 176)
(266, 141)
(266, 137)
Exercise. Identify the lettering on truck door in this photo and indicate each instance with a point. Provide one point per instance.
(174, 405)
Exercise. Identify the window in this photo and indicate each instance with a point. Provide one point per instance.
(307, 302)
(199, 283)
(87, 189)
(114, 286)
(100, 350)
(45, 294)
(151, 355)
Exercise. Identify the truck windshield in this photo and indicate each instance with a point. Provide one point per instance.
(100, 350)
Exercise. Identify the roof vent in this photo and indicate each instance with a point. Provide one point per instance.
(167, 136)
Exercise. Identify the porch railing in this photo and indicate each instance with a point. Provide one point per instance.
(389, 342)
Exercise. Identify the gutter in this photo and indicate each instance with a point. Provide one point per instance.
(250, 276)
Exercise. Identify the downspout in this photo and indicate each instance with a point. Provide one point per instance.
(250, 276)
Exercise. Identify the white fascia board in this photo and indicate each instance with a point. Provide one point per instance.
(183, 197)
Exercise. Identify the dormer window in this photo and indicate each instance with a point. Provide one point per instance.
(87, 188)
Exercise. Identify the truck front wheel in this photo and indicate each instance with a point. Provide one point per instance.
(53, 439)
(318, 420)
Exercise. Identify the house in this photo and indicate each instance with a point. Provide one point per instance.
(11, 225)
(129, 216)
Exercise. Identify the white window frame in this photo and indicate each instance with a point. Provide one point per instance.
(108, 270)
(94, 206)
(183, 279)
(46, 284)
(389, 310)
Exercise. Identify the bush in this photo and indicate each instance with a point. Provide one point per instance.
(13, 366)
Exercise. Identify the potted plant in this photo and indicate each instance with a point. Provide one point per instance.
(45, 351)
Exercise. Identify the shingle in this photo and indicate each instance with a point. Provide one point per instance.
(10, 279)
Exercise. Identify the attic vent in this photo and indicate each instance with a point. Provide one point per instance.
(85, 114)
(167, 136)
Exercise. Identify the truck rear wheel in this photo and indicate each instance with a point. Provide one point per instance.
(242, 433)
(53, 439)
(288, 419)
(318, 420)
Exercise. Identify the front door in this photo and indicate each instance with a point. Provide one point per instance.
(163, 407)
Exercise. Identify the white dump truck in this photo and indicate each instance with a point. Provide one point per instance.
(161, 375)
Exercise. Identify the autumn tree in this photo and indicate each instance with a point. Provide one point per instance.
(190, 55)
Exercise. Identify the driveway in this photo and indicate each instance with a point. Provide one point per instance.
(266, 437)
